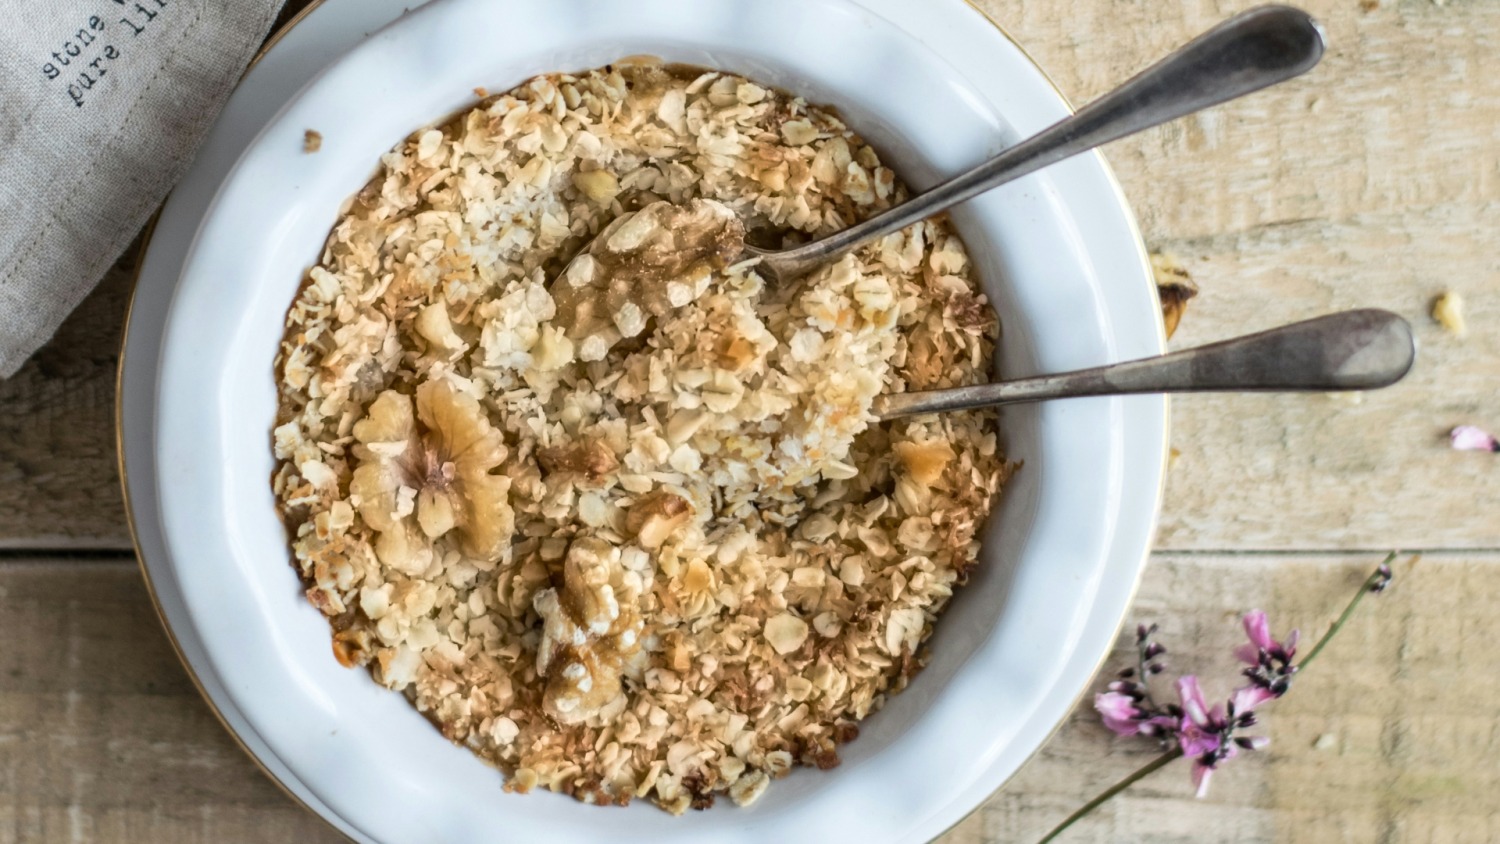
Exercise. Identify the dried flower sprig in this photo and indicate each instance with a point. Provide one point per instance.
(1128, 708)
(1190, 728)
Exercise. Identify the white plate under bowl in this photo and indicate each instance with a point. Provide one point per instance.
(936, 88)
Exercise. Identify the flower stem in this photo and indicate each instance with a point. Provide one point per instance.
(1148, 769)
(1338, 625)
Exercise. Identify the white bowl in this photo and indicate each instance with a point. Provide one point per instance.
(937, 89)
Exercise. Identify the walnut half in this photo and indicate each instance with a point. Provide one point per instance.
(423, 474)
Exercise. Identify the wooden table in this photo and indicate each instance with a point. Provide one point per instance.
(1375, 181)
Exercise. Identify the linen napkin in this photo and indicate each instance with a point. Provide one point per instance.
(102, 104)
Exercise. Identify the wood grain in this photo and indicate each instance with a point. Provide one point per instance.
(1374, 181)
(103, 739)
(1310, 471)
(58, 485)
(102, 736)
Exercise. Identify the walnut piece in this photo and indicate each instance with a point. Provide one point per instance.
(1174, 287)
(588, 635)
(656, 516)
(590, 458)
(925, 462)
(642, 265)
(1448, 311)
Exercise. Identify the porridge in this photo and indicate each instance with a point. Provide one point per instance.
(607, 507)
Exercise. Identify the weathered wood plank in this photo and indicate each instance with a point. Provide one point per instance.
(1281, 472)
(102, 737)
(1375, 181)
(58, 484)
(1400, 116)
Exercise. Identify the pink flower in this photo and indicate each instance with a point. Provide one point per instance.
(1194, 733)
(1247, 698)
(1207, 736)
(1127, 708)
(1119, 713)
(1270, 661)
(1201, 775)
(1258, 629)
(1470, 438)
(1199, 733)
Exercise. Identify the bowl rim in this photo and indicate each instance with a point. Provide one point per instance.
(326, 815)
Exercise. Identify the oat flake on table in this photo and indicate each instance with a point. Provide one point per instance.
(667, 566)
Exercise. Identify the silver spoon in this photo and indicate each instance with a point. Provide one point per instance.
(1350, 350)
(1248, 52)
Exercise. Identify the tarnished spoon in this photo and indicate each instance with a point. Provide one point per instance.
(1350, 350)
(1250, 51)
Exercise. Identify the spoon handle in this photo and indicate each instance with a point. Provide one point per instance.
(1248, 52)
(1349, 350)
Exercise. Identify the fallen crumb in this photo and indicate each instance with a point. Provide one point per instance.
(1327, 741)
(1470, 438)
(312, 141)
(1174, 286)
(481, 92)
(1448, 311)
